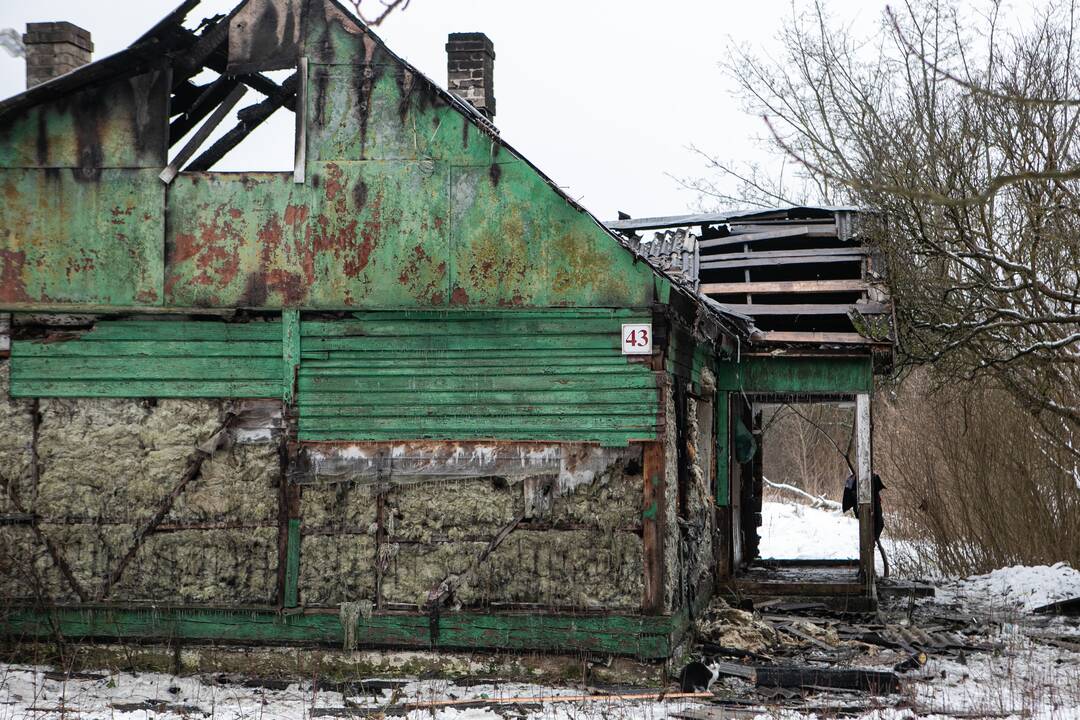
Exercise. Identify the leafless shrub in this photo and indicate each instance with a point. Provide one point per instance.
(968, 481)
(387, 7)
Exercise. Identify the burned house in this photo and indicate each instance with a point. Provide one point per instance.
(408, 394)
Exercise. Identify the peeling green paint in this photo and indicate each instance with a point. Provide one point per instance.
(828, 375)
(153, 358)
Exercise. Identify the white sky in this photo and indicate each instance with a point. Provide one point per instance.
(603, 95)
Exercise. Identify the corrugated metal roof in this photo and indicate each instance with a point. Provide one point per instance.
(673, 251)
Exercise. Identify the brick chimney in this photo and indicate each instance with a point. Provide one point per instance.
(54, 48)
(470, 70)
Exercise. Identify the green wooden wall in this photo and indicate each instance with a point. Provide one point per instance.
(551, 375)
(153, 358)
(555, 375)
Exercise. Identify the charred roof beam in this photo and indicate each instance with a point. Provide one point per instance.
(250, 118)
(204, 104)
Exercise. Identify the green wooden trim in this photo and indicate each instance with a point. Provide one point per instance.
(723, 448)
(641, 636)
(827, 375)
(290, 353)
(292, 564)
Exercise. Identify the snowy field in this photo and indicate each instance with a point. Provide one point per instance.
(1028, 666)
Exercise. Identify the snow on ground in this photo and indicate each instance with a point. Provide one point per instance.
(27, 692)
(1030, 667)
(1015, 588)
(799, 532)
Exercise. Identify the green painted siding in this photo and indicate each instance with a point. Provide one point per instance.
(828, 375)
(153, 358)
(554, 375)
(642, 636)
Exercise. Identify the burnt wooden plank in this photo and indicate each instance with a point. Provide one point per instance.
(785, 336)
(652, 520)
(818, 258)
(867, 308)
(791, 286)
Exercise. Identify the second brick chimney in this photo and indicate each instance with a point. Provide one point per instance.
(470, 70)
(54, 48)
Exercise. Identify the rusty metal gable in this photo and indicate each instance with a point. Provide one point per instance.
(410, 198)
(121, 124)
(265, 35)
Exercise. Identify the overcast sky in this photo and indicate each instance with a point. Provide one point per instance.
(603, 95)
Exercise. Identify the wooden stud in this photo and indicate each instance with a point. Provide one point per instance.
(173, 169)
(867, 308)
(865, 490)
(652, 521)
(290, 338)
(300, 151)
(740, 238)
(292, 565)
(824, 257)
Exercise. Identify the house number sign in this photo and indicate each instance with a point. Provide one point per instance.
(637, 339)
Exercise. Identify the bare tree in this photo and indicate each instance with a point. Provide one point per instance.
(387, 7)
(958, 131)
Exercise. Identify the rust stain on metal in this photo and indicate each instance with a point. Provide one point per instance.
(12, 284)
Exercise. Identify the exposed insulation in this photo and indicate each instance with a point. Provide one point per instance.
(698, 530)
(16, 429)
(116, 460)
(238, 485)
(106, 466)
(91, 551)
(612, 500)
(336, 569)
(26, 570)
(224, 567)
(672, 569)
(475, 508)
(338, 506)
(581, 569)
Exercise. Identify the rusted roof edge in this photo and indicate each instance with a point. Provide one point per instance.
(725, 216)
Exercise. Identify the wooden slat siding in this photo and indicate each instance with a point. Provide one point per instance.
(784, 287)
(646, 637)
(835, 374)
(548, 375)
(158, 358)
